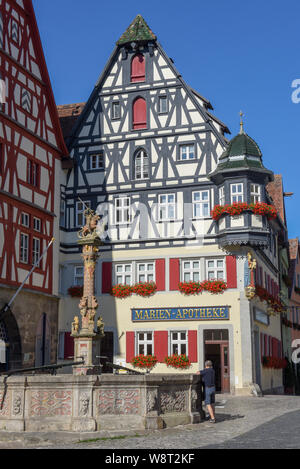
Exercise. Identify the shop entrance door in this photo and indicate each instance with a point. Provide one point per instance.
(217, 350)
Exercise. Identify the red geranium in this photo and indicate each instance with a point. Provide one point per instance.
(144, 361)
(194, 288)
(178, 361)
(259, 208)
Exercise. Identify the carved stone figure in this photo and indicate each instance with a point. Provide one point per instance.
(17, 404)
(75, 325)
(84, 404)
(89, 229)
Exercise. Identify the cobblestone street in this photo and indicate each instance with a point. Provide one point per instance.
(242, 422)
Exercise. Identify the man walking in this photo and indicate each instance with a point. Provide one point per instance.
(208, 379)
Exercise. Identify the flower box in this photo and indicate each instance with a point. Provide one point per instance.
(144, 289)
(144, 361)
(76, 291)
(178, 361)
(264, 295)
(194, 288)
(235, 209)
(274, 363)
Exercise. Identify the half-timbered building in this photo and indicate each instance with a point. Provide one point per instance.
(31, 152)
(152, 158)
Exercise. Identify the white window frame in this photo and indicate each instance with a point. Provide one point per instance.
(199, 205)
(255, 193)
(143, 167)
(216, 269)
(80, 212)
(238, 193)
(147, 272)
(222, 195)
(167, 205)
(144, 342)
(37, 223)
(24, 250)
(162, 99)
(96, 161)
(78, 275)
(185, 149)
(120, 277)
(25, 219)
(124, 219)
(179, 342)
(191, 270)
(115, 105)
(36, 250)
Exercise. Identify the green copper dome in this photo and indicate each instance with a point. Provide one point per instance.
(242, 145)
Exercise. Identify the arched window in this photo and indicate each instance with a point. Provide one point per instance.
(139, 114)
(138, 68)
(141, 165)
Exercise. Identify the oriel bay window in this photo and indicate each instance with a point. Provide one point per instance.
(255, 193)
(237, 193)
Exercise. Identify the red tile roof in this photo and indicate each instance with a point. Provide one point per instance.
(275, 190)
(68, 115)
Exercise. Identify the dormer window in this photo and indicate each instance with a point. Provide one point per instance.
(138, 69)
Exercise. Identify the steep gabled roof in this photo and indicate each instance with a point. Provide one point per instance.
(45, 77)
(275, 190)
(136, 32)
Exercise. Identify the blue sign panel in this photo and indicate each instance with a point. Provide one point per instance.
(220, 313)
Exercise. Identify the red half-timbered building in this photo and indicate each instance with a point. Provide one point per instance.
(31, 153)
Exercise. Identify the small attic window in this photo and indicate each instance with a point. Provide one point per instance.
(138, 69)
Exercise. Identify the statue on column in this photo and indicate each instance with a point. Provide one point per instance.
(251, 288)
(86, 335)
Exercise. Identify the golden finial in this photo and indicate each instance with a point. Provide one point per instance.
(241, 123)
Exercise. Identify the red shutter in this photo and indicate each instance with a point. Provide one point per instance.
(262, 343)
(138, 68)
(106, 277)
(130, 350)
(231, 271)
(161, 345)
(139, 114)
(266, 350)
(174, 274)
(160, 274)
(193, 350)
(274, 348)
(68, 346)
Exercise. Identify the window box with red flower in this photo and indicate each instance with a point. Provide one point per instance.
(237, 208)
(194, 288)
(144, 289)
(144, 361)
(274, 363)
(178, 361)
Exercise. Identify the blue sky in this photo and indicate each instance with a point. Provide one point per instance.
(239, 55)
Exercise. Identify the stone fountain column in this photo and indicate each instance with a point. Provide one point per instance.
(86, 336)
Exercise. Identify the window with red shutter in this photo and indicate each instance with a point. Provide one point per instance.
(161, 345)
(231, 271)
(193, 350)
(138, 69)
(106, 277)
(139, 114)
(68, 346)
(174, 274)
(130, 346)
(160, 274)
